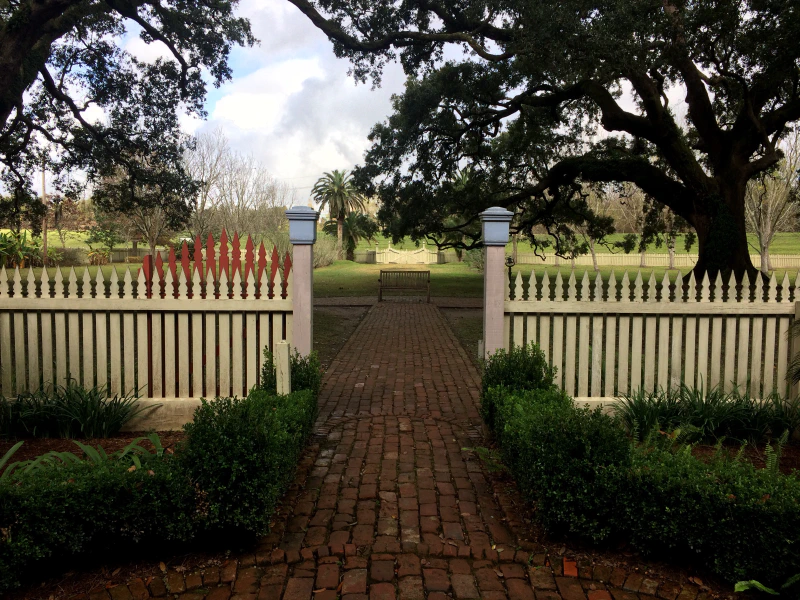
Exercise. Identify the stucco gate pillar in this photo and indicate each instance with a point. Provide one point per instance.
(495, 223)
(302, 235)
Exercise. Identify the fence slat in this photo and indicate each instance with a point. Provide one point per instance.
(32, 318)
(171, 353)
(87, 334)
(558, 348)
(729, 378)
(115, 351)
(252, 346)
(5, 353)
(19, 352)
(663, 351)
(650, 354)
(101, 347)
(237, 351)
(184, 352)
(224, 353)
(783, 356)
(597, 355)
(569, 362)
(583, 356)
(637, 325)
(197, 351)
(211, 351)
(770, 343)
(156, 353)
(714, 378)
(128, 380)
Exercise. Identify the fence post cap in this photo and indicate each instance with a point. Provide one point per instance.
(495, 222)
(302, 224)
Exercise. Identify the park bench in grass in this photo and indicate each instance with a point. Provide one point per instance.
(404, 280)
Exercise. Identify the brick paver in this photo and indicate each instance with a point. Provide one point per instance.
(389, 500)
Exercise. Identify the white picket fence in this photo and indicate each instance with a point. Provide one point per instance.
(611, 339)
(180, 330)
(420, 256)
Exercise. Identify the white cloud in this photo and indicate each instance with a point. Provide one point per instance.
(291, 102)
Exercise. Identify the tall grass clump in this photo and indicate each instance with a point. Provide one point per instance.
(708, 415)
(68, 411)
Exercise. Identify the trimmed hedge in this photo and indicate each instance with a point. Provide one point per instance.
(242, 454)
(237, 459)
(588, 479)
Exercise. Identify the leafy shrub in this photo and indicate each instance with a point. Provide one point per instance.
(587, 478)
(521, 368)
(241, 454)
(739, 521)
(324, 251)
(64, 506)
(305, 372)
(475, 259)
(709, 415)
(67, 411)
(565, 459)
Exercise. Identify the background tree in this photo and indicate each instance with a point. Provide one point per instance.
(69, 216)
(771, 202)
(64, 60)
(205, 162)
(357, 226)
(337, 191)
(537, 82)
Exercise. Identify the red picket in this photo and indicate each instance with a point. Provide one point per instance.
(273, 270)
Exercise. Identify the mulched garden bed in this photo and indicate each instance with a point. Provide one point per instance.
(34, 447)
(789, 461)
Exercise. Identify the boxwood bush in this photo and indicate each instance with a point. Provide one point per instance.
(586, 477)
(242, 454)
(236, 461)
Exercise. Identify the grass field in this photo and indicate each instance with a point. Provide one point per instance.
(784, 243)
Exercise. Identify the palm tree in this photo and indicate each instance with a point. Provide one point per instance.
(336, 190)
(357, 227)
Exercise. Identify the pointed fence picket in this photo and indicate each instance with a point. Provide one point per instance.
(193, 326)
(609, 339)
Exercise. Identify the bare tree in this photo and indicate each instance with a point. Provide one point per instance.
(771, 202)
(206, 163)
(151, 224)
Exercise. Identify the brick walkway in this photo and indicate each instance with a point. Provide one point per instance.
(390, 502)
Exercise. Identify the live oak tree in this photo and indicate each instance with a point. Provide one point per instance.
(72, 97)
(536, 82)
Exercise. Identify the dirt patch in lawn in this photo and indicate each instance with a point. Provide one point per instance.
(467, 324)
(333, 325)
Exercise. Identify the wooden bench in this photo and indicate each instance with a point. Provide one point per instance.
(404, 280)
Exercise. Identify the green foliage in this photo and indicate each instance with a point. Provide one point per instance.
(357, 226)
(17, 250)
(707, 416)
(475, 259)
(565, 459)
(67, 411)
(75, 53)
(738, 521)
(241, 454)
(521, 368)
(743, 586)
(586, 478)
(306, 373)
(63, 506)
(237, 460)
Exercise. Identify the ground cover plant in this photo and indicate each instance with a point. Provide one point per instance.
(237, 457)
(588, 478)
(709, 415)
(69, 411)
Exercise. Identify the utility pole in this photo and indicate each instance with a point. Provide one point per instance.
(44, 222)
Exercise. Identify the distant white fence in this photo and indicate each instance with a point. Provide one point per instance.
(610, 339)
(420, 256)
(682, 261)
(187, 328)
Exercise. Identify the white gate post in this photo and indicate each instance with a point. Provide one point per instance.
(495, 222)
(302, 235)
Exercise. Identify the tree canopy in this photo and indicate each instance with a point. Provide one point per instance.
(541, 98)
(72, 97)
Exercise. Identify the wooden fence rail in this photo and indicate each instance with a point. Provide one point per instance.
(189, 327)
(611, 338)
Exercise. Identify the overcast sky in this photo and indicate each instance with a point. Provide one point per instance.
(290, 102)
